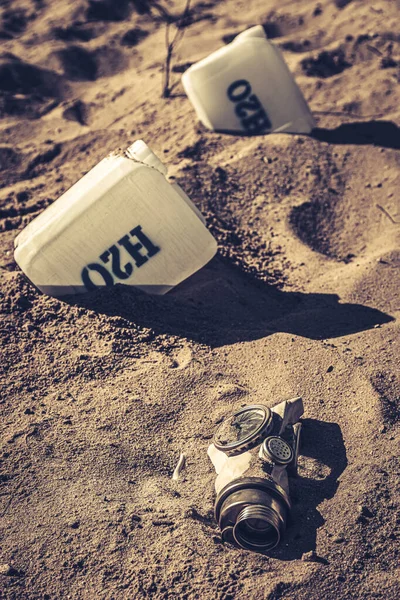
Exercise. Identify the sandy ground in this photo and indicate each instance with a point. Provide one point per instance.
(99, 395)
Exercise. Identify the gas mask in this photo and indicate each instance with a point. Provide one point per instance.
(253, 452)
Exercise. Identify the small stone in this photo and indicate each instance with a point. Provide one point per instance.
(342, 3)
(364, 511)
(364, 514)
(311, 556)
(4, 569)
(162, 523)
(74, 524)
(22, 196)
(339, 539)
(221, 173)
(216, 539)
(8, 570)
(136, 518)
(77, 111)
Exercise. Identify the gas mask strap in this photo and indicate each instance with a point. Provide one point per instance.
(290, 411)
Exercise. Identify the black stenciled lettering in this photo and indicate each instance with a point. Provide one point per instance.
(134, 249)
(116, 263)
(257, 123)
(147, 243)
(236, 93)
(248, 106)
(239, 92)
(87, 281)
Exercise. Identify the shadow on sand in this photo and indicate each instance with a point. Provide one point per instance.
(221, 305)
(375, 133)
(323, 442)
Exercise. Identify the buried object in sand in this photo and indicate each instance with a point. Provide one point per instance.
(253, 452)
(123, 222)
(247, 88)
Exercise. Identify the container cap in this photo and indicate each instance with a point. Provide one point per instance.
(140, 152)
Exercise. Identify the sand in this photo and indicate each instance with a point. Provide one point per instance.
(100, 394)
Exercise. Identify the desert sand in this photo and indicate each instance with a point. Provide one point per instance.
(101, 393)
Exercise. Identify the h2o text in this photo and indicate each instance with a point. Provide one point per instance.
(138, 246)
(248, 108)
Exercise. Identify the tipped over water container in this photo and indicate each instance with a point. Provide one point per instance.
(123, 222)
(246, 88)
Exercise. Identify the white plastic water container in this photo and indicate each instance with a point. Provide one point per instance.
(123, 222)
(246, 88)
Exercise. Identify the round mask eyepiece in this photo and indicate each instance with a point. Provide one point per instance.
(275, 449)
(243, 430)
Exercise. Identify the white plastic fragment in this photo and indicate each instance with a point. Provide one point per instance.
(140, 152)
(179, 467)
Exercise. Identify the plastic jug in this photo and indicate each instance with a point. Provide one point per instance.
(247, 88)
(123, 222)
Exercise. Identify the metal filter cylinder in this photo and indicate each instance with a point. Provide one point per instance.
(252, 512)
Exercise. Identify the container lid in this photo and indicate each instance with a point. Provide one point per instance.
(140, 152)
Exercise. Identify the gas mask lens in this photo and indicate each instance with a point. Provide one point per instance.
(243, 430)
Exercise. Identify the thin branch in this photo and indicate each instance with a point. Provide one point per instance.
(389, 216)
(171, 44)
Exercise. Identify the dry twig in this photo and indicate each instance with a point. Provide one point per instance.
(171, 42)
(389, 216)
